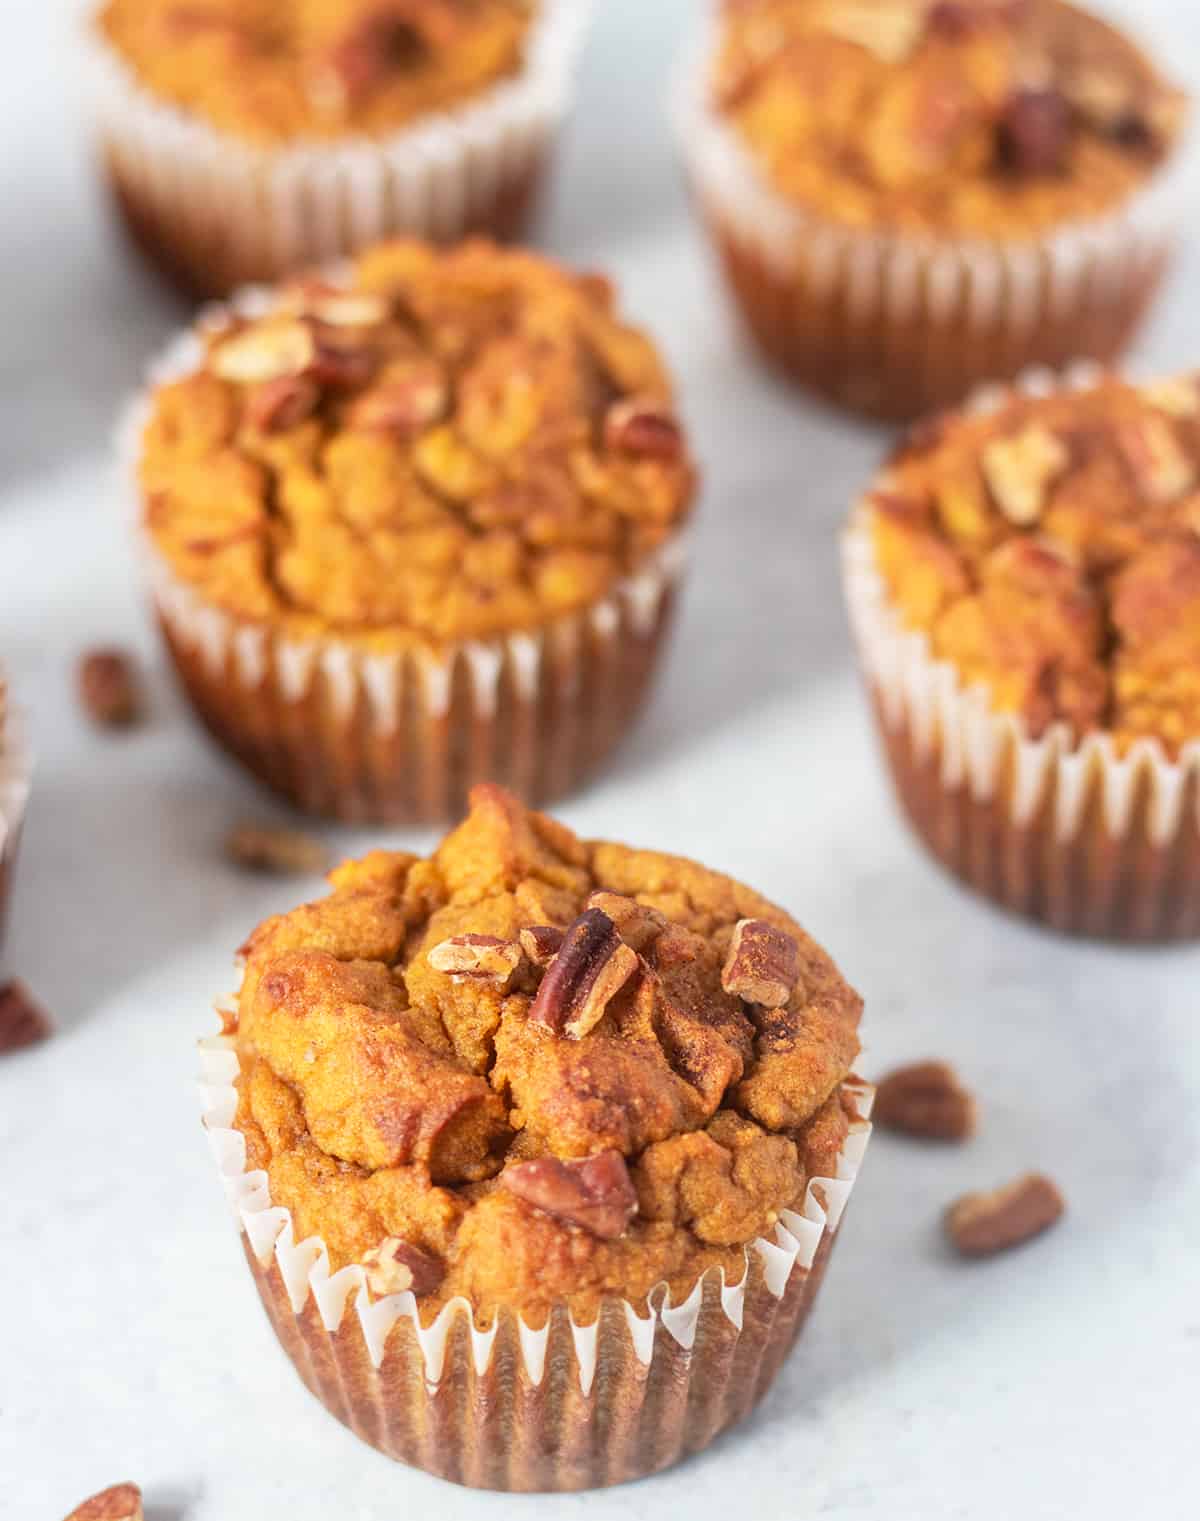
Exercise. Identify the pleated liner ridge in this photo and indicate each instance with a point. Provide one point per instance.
(510, 1407)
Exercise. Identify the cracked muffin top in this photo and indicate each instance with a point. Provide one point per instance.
(450, 445)
(991, 118)
(533, 1067)
(1051, 551)
(270, 73)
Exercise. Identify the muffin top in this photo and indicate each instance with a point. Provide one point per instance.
(1051, 551)
(270, 73)
(987, 118)
(532, 1067)
(450, 445)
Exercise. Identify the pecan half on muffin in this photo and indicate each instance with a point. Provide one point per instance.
(541, 1146)
(1024, 580)
(15, 769)
(911, 197)
(246, 139)
(416, 528)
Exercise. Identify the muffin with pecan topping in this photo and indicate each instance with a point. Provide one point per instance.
(575, 1121)
(416, 527)
(914, 196)
(246, 139)
(1025, 584)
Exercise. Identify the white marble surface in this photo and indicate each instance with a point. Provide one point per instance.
(1058, 1382)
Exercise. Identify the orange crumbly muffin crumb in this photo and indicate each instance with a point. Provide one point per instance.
(531, 1068)
(271, 73)
(449, 446)
(1051, 551)
(992, 118)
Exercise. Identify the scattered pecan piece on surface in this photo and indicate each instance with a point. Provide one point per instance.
(123, 1502)
(1020, 471)
(395, 1266)
(591, 968)
(763, 964)
(643, 427)
(1160, 466)
(925, 1099)
(636, 924)
(282, 403)
(596, 1194)
(1034, 132)
(23, 1021)
(478, 958)
(269, 848)
(541, 943)
(109, 689)
(980, 1224)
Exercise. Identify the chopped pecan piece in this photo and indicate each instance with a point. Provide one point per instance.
(282, 403)
(481, 958)
(541, 943)
(404, 406)
(23, 1021)
(109, 689)
(334, 306)
(891, 31)
(396, 1267)
(983, 1223)
(636, 924)
(1034, 132)
(339, 361)
(266, 351)
(1020, 471)
(643, 427)
(596, 1194)
(1178, 397)
(591, 968)
(1161, 468)
(123, 1502)
(393, 36)
(763, 964)
(286, 852)
(925, 1099)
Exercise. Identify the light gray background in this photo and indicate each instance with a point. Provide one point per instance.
(1058, 1382)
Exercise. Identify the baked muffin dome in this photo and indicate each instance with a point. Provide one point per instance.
(536, 1070)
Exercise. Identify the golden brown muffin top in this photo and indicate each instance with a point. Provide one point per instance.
(989, 118)
(1051, 551)
(455, 445)
(532, 1067)
(272, 73)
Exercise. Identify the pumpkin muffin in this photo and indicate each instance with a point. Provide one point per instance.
(1025, 583)
(245, 139)
(574, 1121)
(914, 196)
(416, 527)
(14, 792)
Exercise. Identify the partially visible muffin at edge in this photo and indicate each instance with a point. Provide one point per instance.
(534, 1072)
(417, 527)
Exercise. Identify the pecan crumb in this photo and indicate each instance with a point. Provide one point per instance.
(1020, 471)
(286, 852)
(925, 1099)
(643, 427)
(596, 1194)
(636, 924)
(763, 964)
(480, 958)
(591, 968)
(123, 1502)
(980, 1224)
(109, 689)
(395, 1266)
(541, 943)
(23, 1021)
(1034, 132)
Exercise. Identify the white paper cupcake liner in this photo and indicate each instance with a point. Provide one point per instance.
(1086, 839)
(220, 212)
(364, 734)
(895, 324)
(512, 1406)
(16, 770)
